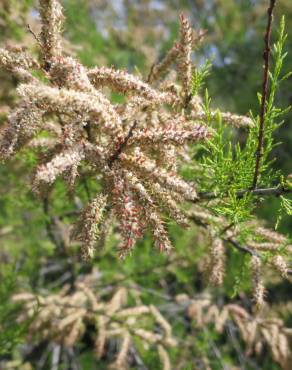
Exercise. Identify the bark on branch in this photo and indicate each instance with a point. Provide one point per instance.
(266, 57)
(272, 191)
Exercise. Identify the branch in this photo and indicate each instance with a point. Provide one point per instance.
(50, 226)
(241, 248)
(121, 147)
(30, 30)
(266, 56)
(56, 238)
(233, 242)
(274, 191)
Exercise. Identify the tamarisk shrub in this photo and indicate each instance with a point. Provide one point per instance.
(161, 154)
(256, 331)
(63, 317)
(134, 146)
(135, 150)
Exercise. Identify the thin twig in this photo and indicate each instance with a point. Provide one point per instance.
(242, 248)
(273, 191)
(49, 225)
(33, 34)
(86, 188)
(122, 146)
(266, 56)
(57, 240)
(231, 241)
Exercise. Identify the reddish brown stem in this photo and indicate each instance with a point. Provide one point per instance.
(122, 146)
(266, 56)
(261, 192)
